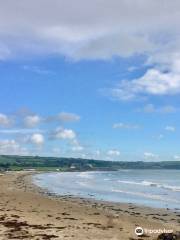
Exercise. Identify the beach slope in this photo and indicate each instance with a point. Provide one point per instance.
(27, 213)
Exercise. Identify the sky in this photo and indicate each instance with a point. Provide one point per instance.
(92, 79)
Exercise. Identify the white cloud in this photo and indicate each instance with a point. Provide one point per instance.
(11, 147)
(20, 131)
(38, 70)
(150, 108)
(37, 139)
(150, 156)
(113, 152)
(170, 128)
(5, 121)
(68, 117)
(176, 157)
(78, 148)
(63, 133)
(63, 117)
(32, 121)
(153, 82)
(160, 136)
(125, 126)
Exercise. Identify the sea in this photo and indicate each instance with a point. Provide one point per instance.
(152, 188)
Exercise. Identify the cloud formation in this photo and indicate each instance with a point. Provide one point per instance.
(68, 117)
(37, 139)
(86, 29)
(150, 108)
(99, 30)
(5, 121)
(113, 153)
(63, 133)
(78, 148)
(170, 128)
(24, 133)
(176, 157)
(153, 82)
(20, 131)
(12, 147)
(125, 126)
(32, 121)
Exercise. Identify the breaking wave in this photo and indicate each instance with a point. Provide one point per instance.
(152, 184)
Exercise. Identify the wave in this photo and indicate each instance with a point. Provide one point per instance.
(83, 184)
(152, 184)
(125, 170)
(145, 195)
(85, 175)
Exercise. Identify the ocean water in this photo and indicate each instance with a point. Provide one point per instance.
(154, 188)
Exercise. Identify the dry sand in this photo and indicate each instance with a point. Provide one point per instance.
(27, 213)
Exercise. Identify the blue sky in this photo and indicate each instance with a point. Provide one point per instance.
(102, 88)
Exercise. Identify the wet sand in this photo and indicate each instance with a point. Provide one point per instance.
(27, 212)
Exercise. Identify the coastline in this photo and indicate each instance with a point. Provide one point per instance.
(29, 212)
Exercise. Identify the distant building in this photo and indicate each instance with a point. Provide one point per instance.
(72, 167)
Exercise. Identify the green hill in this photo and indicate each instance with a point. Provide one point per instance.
(77, 164)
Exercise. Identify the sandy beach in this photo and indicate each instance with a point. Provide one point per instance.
(27, 212)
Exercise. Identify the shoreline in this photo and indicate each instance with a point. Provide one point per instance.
(93, 199)
(36, 212)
